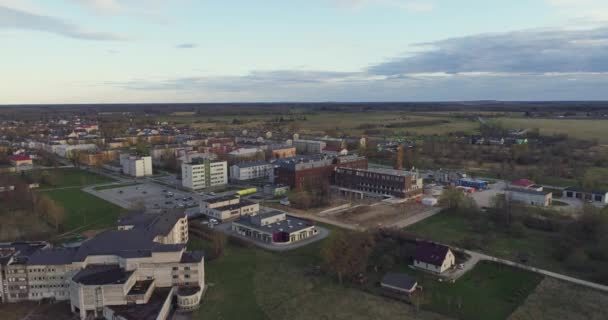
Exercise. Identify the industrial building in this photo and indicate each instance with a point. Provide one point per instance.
(530, 196)
(382, 182)
(135, 269)
(586, 195)
(274, 227)
(201, 173)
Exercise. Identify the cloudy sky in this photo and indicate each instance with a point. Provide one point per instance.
(87, 51)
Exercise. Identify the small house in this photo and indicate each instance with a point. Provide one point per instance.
(433, 257)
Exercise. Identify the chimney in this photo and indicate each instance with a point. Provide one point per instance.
(400, 156)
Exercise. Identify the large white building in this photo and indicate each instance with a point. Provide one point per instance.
(204, 173)
(251, 170)
(229, 207)
(135, 269)
(136, 166)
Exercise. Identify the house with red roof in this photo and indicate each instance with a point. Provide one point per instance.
(19, 160)
(433, 257)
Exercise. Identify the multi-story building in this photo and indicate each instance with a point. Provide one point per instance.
(251, 170)
(136, 166)
(309, 146)
(229, 207)
(129, 271)
(280, 151)
(383, 182)
(275, 227)
(297, 171)
(201, 173)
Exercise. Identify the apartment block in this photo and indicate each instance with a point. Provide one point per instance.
(136, 166)
(202, 173)
(251, 170)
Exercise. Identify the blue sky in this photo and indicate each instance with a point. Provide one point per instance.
(89, 51)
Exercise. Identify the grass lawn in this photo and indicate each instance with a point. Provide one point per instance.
(73, 177)
(84, 209)
(265, 285)
(488, 292)
(454, 228)
(554, 299)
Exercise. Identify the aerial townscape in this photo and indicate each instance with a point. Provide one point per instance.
(320, 159)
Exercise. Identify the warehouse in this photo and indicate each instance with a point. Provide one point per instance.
(530, 196)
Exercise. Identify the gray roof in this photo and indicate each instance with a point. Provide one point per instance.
(399, 280)
(290, 225)
(192, 257)
(529, 191)
(133, 243)
(221, 198)
(252, 164)
(102, 275)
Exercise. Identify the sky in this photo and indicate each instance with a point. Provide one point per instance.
(137, 51)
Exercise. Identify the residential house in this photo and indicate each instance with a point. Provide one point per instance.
(433, 257)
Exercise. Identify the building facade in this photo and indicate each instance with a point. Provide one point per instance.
(309, 146)
(136, 166)
(230, 207)
(251, 171)
(204, 173)
(384, 182)
(128, 268)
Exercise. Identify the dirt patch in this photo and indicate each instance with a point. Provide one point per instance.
(379, 215)
(554, 299)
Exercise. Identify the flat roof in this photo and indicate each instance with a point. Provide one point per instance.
(222, 198)
(146, 311)
(102, 275)
(290, 224)
(242, 203)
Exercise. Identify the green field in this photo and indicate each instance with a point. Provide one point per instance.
(85, 210)
(453, 229)
(576, 128)
(281, 286)
(350, 122)
(488, 292)
(276, 286)
(72, 177)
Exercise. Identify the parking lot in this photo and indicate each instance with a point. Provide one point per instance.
(150, 195)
